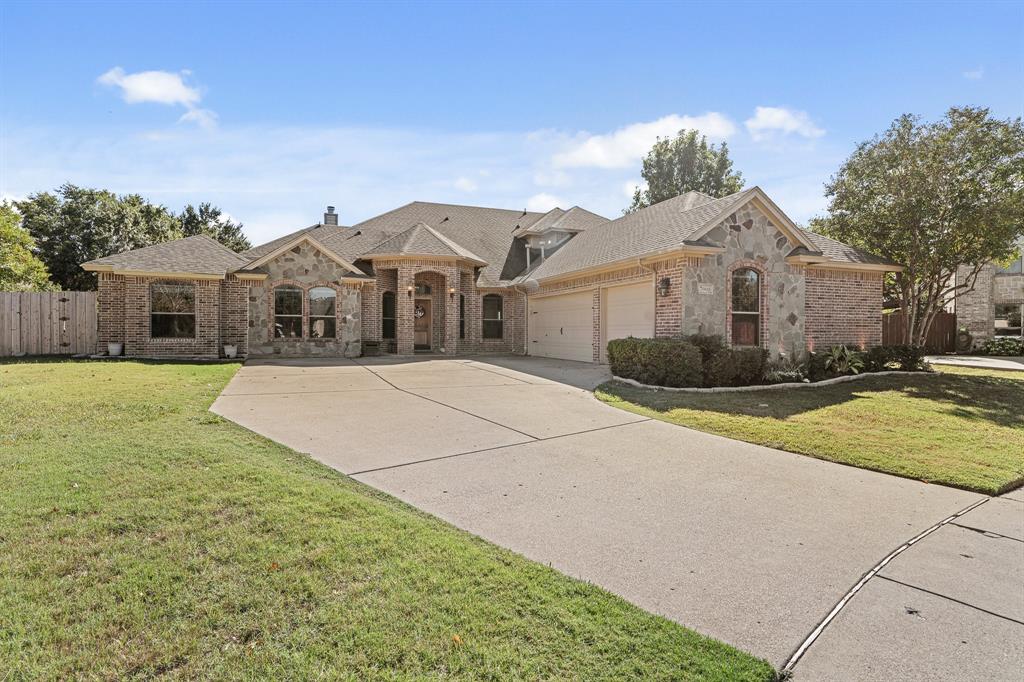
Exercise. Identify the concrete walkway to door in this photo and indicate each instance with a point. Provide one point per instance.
(750, 545)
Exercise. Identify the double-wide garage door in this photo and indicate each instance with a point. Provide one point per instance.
(564, 326)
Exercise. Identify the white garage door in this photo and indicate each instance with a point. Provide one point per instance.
(563, 327)
(629, 311)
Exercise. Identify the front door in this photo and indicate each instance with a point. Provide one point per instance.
(421, 327)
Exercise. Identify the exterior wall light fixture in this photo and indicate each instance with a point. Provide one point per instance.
(451, 293)
(408, 290)
(663, 286)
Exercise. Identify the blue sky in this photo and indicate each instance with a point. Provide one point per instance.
(273, 110)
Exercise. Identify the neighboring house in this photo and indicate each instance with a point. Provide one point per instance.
(996, 304)
(463, 279)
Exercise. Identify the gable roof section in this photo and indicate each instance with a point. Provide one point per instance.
(576, 219)
(199, 254)
(658, 228)
(484, 232)
(422, 240)
(302, 236)
(681, 223)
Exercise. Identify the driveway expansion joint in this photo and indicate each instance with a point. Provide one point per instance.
(496, 447)
(987, 533)
(787, 668)
(436, 402)
(952, 599)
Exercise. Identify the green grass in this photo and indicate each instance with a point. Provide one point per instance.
(963, 427)
(141, 535)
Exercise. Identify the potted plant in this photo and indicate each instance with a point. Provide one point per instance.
(115, 349)
(230, 350)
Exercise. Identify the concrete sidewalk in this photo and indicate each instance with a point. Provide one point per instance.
(982, 361)
(751, 545)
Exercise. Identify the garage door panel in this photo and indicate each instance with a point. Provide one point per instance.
(562, 327)
(628, 311)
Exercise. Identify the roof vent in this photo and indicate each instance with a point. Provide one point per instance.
(330, 218)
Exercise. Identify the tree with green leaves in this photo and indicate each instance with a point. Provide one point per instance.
(20, 270)
(932, 197)
(74, 224)
(211, 221)
(685, 163)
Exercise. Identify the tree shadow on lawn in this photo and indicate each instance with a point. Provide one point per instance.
(969, 396)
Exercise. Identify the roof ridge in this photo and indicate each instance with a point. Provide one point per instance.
(484, 208)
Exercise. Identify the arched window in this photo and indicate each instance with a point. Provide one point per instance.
(746, 307)
(462, 316)
(287, 312)
(492, 314)
(172, 311)
(387, 315)
(321, 313)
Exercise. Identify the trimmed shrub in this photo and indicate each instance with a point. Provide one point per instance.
(877, 359)
(659, 362)
(816, 369)
(709, 345)
(908, 358)
(1002, 345)
(736, 367)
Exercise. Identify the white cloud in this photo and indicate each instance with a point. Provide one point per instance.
(272, 178)
(464, 184)
(543, 202)
(627, 145)
(204, 118)
(769, 121)
(975, 74)
(161, 87)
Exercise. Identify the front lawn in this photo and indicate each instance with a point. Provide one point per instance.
(141, 535)
(964, 427)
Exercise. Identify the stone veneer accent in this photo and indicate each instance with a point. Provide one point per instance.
(843, 307)
(305, 267)
(750, 240)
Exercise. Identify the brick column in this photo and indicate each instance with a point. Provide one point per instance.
(404, 310)
(451, 311)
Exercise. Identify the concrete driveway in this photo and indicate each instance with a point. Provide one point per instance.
(750, 545)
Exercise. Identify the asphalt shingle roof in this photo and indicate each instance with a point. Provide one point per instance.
(199, 254)
(662, 226)
(485, 232)
(421, 240)
(838, 251)
(482, 235)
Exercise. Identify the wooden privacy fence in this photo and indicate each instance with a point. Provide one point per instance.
(47, 323)
(941, 337)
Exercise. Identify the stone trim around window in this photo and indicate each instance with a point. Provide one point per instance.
(270, 287)
(763, 283)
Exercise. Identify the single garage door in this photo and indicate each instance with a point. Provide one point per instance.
(628, 311)
(563, 326)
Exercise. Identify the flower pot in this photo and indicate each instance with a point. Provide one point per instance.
(230, 351)
(115, 349)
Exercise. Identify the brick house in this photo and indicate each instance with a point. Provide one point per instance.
(995, 306)
(449, 279)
